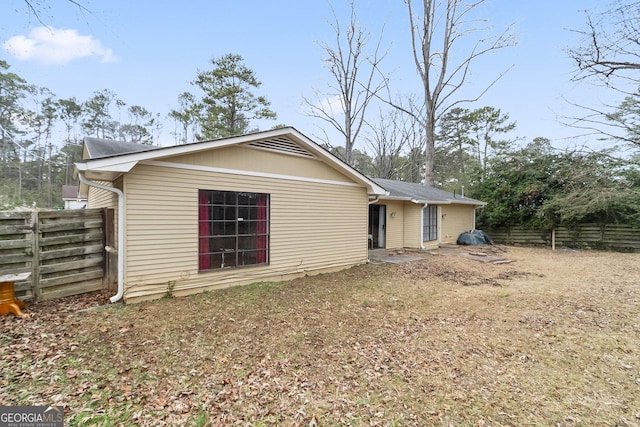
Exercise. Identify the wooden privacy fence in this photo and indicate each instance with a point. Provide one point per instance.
(63, 250)
(617, 237)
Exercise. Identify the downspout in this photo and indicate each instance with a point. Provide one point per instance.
(422, 248)
(475, 208)
(120, 249)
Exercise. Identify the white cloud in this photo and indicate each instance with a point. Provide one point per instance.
(50, 45)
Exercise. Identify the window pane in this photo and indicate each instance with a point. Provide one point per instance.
(229, 228)
(246, 242)
(430, 223)
(217, 212)
(246, 227)
(216, 260)
(244, 213)
(229, 198)
(217, 228)
(244, 199)
(216, 197)
(233, 229)
(222, 244)
(229, 213)
(247, 258)
(229, 259)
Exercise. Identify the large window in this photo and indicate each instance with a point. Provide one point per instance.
(233, 229)
(429, 223)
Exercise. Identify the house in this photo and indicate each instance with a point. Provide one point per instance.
(416, 216)
(266, 206)
(71, 199)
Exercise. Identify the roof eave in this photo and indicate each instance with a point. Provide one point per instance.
(434, 202)
(123, 163)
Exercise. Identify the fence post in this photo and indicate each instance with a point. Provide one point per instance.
(553, 239)
(35, 254)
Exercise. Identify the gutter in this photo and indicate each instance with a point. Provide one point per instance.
(376, 200)
(120, 249)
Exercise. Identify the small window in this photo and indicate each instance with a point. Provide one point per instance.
(233, 229)
(430, 223)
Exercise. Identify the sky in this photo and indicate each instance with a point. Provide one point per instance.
(148, 51)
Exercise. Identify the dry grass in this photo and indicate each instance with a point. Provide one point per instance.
(550, 339)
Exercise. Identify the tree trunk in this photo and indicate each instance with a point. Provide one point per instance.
(429, 157)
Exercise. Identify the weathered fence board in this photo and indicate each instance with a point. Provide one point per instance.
(16, 253)
(62, 253)
(73, 238)
(72, 278)
(63, 250)
(596, 236)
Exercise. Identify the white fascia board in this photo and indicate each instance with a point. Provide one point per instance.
(416, 201)
(388, 197)
(120, 166)
(433, 202)
(452, 202)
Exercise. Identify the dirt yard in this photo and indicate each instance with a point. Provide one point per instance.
(551, 338)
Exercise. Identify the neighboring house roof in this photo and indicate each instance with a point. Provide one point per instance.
(419, 193)
(105, 160)
(70, 192)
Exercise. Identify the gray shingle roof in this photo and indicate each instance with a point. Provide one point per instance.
(422, 194)
(69, 192)
(99, 148)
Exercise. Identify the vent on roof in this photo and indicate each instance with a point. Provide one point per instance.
(281, 145)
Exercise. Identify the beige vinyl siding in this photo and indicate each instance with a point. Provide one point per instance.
(456, 219)
(412, 225)
(395, 225)
(314, 227)
(98, 198)
(264, 161)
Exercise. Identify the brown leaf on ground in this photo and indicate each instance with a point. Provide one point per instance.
(550, 339)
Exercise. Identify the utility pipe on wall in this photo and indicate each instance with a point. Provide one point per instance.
(120, 194)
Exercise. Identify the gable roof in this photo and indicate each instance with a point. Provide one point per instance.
(97, 148)
(422, 194)
(105, 160)
(70, 192)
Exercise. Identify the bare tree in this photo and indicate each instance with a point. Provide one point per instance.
(610, 46)
(387, 138)
(437, 35)
(354, 71)
(609, 55)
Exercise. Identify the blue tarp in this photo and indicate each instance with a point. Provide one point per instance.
(474, 238)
